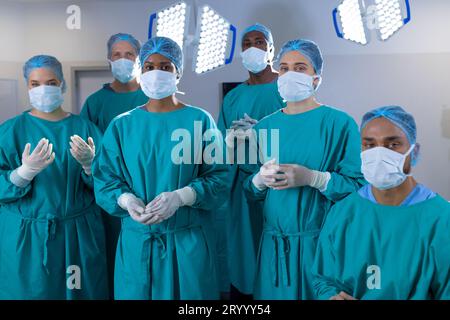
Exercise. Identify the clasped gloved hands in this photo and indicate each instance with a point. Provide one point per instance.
(285, 176)
(240, 129)
(83, 152)
(34, 163)
(134, 206)
(160, 208)
(342, 296)
(244, 124)
(265, 177)
(163, 207)
(291, 176)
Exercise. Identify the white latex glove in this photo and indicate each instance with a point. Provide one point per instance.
(343, 296)
(244, 123)
(166, 204)
(32, 164)
(83, 152)
(294, 175)
(241, 130)
(239, 134)
(135, 207)
(264, 178)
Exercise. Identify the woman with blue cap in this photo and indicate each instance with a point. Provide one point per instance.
(239, 222)
(52, 243)
(164, 249)
(117, 97)
(391, 239)
(317, 164)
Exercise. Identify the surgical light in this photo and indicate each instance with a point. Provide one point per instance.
(171, 22)
(352, 21)
(214, 38)
(213, 35)
(390, 18)
(386, 16)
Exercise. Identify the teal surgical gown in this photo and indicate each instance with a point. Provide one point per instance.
(418, 194)
(175, 258)
(239, 221)
(378, 252)
(323, 139)
(51, 229)
(101, 108)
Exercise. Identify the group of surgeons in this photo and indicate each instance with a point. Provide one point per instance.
(95, 207)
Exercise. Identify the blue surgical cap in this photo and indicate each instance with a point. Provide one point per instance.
(399, 117)
(123, 37)
(260, 28)
(307, 48)
(44, 61)
(163, 46)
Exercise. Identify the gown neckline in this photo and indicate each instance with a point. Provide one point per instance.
(144, 110)
(404, 208)
(302, 114)
(27, 114)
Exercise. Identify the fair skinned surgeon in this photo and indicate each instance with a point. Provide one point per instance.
(48, 218)
(121, 95)
(317, 164)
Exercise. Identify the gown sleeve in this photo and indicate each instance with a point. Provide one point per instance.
(210, 185)
(441, 259)
(110, 174)
(87, 112)
(223, 123)
(346, 176)
(88, 180)
(325, 262)
(96, 135)
(251, 192)
(249, 170)
(9, 192)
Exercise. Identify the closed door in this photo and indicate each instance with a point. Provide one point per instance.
(86, 83)
(8, 99)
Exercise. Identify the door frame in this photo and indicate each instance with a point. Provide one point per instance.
(74, 70)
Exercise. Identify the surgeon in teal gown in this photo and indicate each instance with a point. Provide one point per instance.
(163, 197)
(239, 222)
(52, 242)
(115, 98)
(313, 163)
(391, 239)
(124, 93)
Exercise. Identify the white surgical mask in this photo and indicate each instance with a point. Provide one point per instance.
(296, 86)
(124, 70)
(255, 60)
(158, 84)
(383, 168)
(46, 98)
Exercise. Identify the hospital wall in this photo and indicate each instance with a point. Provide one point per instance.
(412, 69)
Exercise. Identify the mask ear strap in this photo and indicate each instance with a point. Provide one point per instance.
(320, 79)
(319, 83)
(271, 55)
(409, 152)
